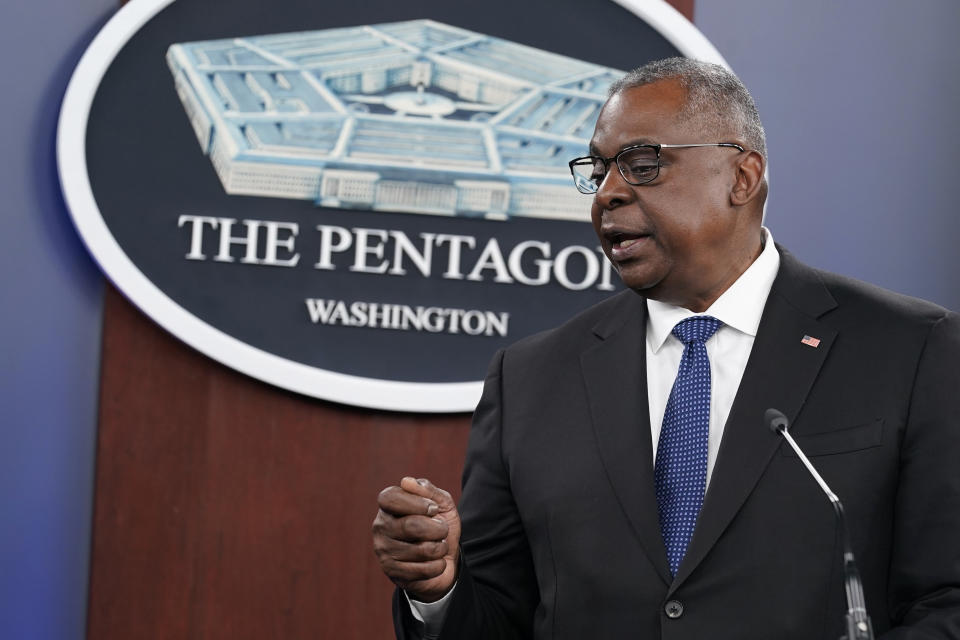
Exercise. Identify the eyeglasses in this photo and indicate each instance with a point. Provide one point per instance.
(638, 164)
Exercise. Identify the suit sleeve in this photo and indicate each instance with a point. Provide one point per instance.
(924, 583)
(496, 593)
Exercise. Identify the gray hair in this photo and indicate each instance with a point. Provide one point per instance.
(713, 93)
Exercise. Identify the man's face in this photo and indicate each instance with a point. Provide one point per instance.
(677, 239)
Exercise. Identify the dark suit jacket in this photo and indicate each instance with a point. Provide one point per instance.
(560, 529)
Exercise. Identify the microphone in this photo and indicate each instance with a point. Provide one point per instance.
(859, 626)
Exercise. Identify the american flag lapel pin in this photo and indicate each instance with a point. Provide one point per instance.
(810, 341)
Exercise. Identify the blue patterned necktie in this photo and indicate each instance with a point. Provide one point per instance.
(680, 472)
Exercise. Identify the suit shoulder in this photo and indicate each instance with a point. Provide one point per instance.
(879, 304)
(823, 293)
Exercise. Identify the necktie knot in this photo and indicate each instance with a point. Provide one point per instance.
(696, 329)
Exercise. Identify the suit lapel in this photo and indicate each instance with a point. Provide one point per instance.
(780, 373)
(615, 374)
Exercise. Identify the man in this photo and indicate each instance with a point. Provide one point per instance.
(620, 481)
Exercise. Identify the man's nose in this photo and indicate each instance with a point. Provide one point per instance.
(613, 190)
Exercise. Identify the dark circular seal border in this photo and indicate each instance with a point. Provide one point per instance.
(265, 366)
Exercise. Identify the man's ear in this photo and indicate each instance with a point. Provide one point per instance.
(749, 181)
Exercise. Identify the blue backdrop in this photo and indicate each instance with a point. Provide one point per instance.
(50, 326)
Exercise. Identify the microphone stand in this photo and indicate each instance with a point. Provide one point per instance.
(859, 626)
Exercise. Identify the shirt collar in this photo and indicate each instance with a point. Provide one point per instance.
(739, 307)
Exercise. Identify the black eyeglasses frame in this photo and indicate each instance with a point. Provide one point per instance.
(581, 183)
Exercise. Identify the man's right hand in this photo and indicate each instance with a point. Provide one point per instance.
(416, 537)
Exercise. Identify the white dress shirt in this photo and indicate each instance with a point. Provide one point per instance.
(739, 309)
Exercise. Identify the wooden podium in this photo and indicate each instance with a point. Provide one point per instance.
(227, 508)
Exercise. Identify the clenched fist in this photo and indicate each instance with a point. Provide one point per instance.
(416, 537)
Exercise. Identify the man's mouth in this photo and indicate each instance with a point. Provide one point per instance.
(621, 243)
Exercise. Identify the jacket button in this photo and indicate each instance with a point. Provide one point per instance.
(673, 609)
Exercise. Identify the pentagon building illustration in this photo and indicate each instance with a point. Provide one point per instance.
(414, 116)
